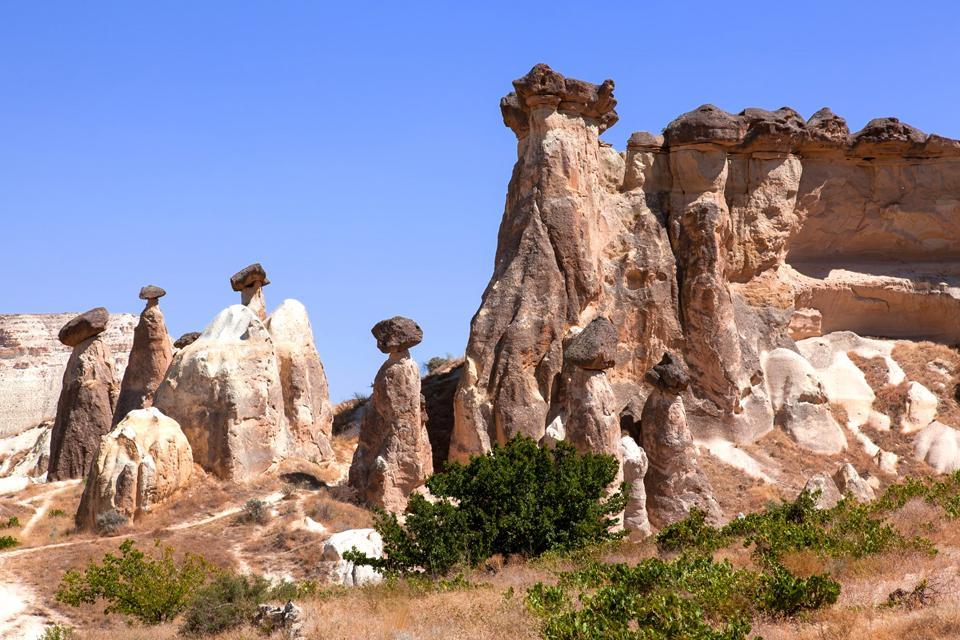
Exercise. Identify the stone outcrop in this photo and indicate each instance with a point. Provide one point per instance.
(186, 339)
(939, 446)
(849, 482)
(246, 398)
(674, 483)
(143, 462)
(393, 455)
(149, 357)
(635, 465)
(345, 572)
(32, 362)
(250, 282)
(727, 238)
(826, 493)
(88, 397)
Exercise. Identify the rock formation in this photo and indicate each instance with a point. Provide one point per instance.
(144, 461)
(849, 482)
(393, 455)
(674, 483)
(826, 493)
(87, 399)
(939, 446)
(186, 339)
(306, 402)
(345, 572)
(591, 420)
(250, 281)
(635, 465)
(32, 362)
(149, 357)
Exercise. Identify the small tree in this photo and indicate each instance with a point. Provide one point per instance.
(152, 590)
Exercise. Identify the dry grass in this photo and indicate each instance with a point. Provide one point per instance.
(914, 358)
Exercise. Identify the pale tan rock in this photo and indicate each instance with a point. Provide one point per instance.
(827, 494)
(805, 323)
(150, 356)
(848, 481)
(920, 409)
(143, 462)
(250, 281)
(225, 392)
(635, 465)
(393, 455)
(939, 446)
(306, 397)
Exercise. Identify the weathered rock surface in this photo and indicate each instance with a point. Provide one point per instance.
(393, 455)
(635, 465)
(149, 357)
(288, 620)
(87, 399)
(848, 481)
(250, 281)
(366, 541)
(32, 362)
(306, 396)
(26, 454)
(143, 462)
(397, 334)
(920, 409)
(827, 494)
(939, 446)
(186, 339)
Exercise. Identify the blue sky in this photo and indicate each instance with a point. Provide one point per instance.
(357, 150)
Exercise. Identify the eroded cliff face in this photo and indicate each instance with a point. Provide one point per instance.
(704, 241)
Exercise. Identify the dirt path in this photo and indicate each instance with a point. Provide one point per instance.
(47, 497)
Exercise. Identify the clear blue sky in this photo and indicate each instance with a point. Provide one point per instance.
(356, 149)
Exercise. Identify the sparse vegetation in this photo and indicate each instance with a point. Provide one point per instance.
(436, 362)
(518, 499)
(151, 590)
(228, 601)
(58, 632)
(361, 397)
(56, 513)
(10, 523)
(7, 542)
(256, 511)
(109, 522)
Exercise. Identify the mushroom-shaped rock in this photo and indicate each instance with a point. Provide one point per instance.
(397, 334)
(346, 573)
(850, 482)
(149, 358)
(826, 494)
(393, 455)
(250, 281)
(88, 397)
(772, 130)
(635, 465)
(306, 398)
(826, 129)
(706, 123)
(890, 132)
(85, 326)
(152, 292)
(593, 348)
(669, 375)
(144, 461)
(186, 339)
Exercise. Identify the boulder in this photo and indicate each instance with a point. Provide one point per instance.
(397, 334)
(143, 462)
(393, 455)
(800, 403)
(186, 339)
(345, 572)
(827, 494)
(87, 401)
(635, 466)
(939, 446)
(225, 392)
(306, 397)
(287, 620)
(149, 358)
(849, 482)
(805, 323)
(920, 409)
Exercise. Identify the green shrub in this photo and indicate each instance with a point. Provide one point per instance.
(56, 513)
(10, 523)
(783, 593)
(109, 522)
(58, 632)
(437, 362)
(152, 590)
(255, 510)
(8, 541)
(518, 499)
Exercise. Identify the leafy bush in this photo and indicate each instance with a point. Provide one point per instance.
(58, 632)
(56, 513)
(109, 522)
(255, 510)
(8, 541)
(437, 362)
(518, 499)
(10, 523)
(783, 593)
(152, 590)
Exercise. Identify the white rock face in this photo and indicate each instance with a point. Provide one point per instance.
(939, 446)
(32, 361)
(555, 433)
(829, 495)
(800, 402)
(367, 541)
(843, 382)
(921, 408)
(849, 481)
(26, 454)
(144, 461)
(635, 467)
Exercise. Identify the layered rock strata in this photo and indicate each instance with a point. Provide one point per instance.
(87, 399)
(149, 357)
(393, 455)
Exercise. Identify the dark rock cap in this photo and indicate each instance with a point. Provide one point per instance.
(152, 292)
(889, 132)
(706, 123)
(825, 128)
(249, 276)
(84, 326)
(397, 334)
(543, 85)
(772, 130)
(644, 140)
(668, 375)
(595, 347)
(186, 339)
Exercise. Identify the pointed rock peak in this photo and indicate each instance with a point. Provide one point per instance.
(253, 275)
(152, 292)
(86, 325)
(397, 334)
